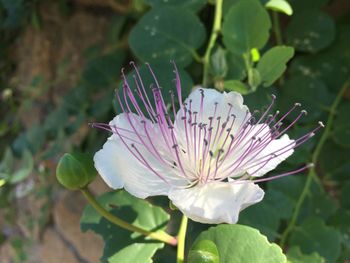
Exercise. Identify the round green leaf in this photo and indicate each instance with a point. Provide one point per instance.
(204, 251)
(311, 93)
(192, 5)
(103, 71)
(240, 244)
(294, 255)
(313, 235)
(122, 246)
(167, 33)
(218, 63)
(344, 197)
(341, 220)
(273, 63)
(236, 85)
(236, 67)
(310, 31)
(27, 165)
(341, 133)
(328, 66)
(301, 5)
(280, 6)
(246, 26)
(339, 167)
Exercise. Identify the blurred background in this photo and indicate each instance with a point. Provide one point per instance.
(60, 63)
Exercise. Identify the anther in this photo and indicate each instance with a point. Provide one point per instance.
(310, 165)
(321, 124)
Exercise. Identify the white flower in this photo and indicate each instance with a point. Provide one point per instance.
(203, 159)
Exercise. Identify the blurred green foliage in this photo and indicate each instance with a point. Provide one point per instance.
(254, 48)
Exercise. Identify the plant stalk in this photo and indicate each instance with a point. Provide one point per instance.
(312, 172)
(181, 240)
(158, 235)
(213, 36)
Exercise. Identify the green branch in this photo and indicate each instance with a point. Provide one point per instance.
(181, 240)
(277, 28)
(158, 235)
(312, 172)
(214, 34)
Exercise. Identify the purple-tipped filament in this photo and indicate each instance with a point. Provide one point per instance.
(203, 140)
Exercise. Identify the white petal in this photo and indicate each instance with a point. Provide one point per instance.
(212, 96)
(120, 168)
(216, 202)
(276, 146)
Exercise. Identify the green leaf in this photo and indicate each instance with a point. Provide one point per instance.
(255, 216)
(294, 255)
(236, 67)
(121, 245)
(311, 93)
(328, 66)
(192, 5)
(103, 71)
(236, 85)
(7, 161)
(246, 26)
(310, 31)
(341, 220)
(204, 251)
(15, 13)
(301, 5)
(344, 196)
(281, 6)
(27, 165)
(277, 205)
(254, 78)
(160, 36)
(341, 133)
(259, 99)
(32, 139)
(218, 65)
(339, 167)
(273, 63)
(238, 243)
(313, 235)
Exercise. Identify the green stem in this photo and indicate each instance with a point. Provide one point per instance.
(278, 37)
(312, 172)
(214, 34)
(158, 235)
(277, 28)
(181, 240)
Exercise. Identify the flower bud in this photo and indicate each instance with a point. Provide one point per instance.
(75, 171)
(205, 251)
